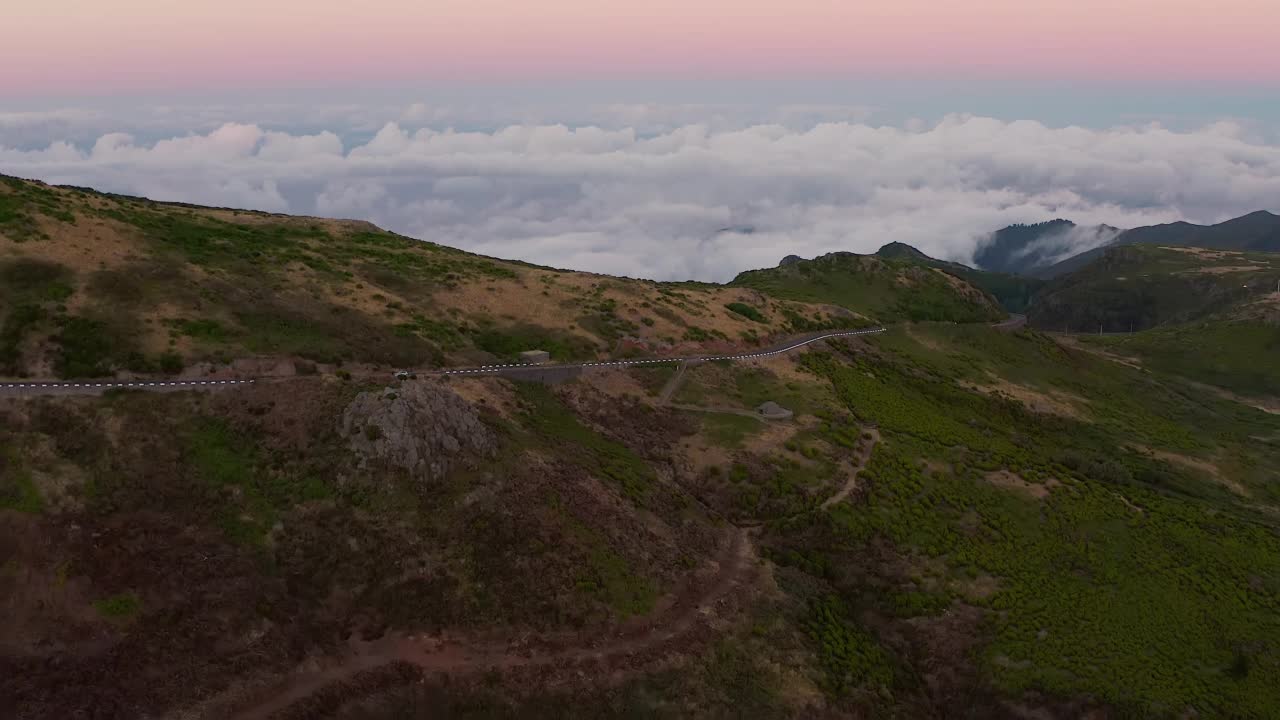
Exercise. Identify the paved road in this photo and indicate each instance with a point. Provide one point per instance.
(561, 371)
(785, 347)
(89, 387)
(1014, 322)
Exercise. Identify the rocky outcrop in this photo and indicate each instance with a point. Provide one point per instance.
(420, 427)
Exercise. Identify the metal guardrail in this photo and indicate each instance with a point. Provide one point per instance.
(490, 369)
(481, 370)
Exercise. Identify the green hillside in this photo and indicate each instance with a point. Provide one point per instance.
(1012, 292)
(1256, 232)
(1242, 356)
(1137, 287)
(887, 289)
(97, 285)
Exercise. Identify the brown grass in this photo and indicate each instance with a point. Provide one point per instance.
(1197, 464)
(1051, 403)
(92, 243)
(1013, 481)
(1220, 269)
(1202, 252)
(1075, 344)
(489, 392)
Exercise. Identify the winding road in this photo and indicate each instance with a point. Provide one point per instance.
(516, 370)
(1016, 321)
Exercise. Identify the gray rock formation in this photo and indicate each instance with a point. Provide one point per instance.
(773, 411)
(421, 427)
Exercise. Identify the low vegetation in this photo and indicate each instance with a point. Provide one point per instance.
(745, 311)
(957, 518)
(887, 290)
(1243, 356)
(210, 285)
(1137, 287)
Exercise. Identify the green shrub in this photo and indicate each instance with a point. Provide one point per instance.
(746, 311)
(85, 349)
(208, 330)
(850, 657)
(18, 490)
(20, 321)
(36, 281)
(171, 363)
(510, 341)
(548, 417)
(119, 607)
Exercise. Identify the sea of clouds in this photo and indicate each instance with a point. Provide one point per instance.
(692, 192)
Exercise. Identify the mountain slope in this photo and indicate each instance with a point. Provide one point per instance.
(1027, 249)
(1257, 231)
(884, 288)
(1136, 287)
(99, 284)
(1012, 292)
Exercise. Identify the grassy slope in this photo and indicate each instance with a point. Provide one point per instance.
(1240, 356)
(1212, 314)
(1144, 608)
(1141, 286)
(1012, 292)
(98, 283)
(890, 289)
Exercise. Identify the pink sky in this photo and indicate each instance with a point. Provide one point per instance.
(66, 47)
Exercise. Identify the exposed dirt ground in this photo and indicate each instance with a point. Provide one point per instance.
(1075, 344)
(1015, 482)
(1052, 403)
(1203, 466)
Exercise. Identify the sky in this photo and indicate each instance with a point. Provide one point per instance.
(105, 47)
(661, 139)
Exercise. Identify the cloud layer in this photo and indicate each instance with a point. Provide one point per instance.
(693, 200)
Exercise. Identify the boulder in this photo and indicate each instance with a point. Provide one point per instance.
(773, 411)
(422, 428)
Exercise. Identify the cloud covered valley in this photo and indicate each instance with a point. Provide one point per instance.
(681, 201)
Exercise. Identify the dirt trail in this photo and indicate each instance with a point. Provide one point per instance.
(672, 385)
(722, 410)
(851, 483)
(678, 617)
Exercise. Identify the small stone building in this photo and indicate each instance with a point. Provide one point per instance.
(773, 411)
(535, 357)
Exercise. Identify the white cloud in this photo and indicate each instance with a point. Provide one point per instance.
(1058, 246)
(625, 199)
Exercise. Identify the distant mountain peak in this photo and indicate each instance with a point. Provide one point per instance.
(790, 260)
(1025, 248)
(901, 250)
